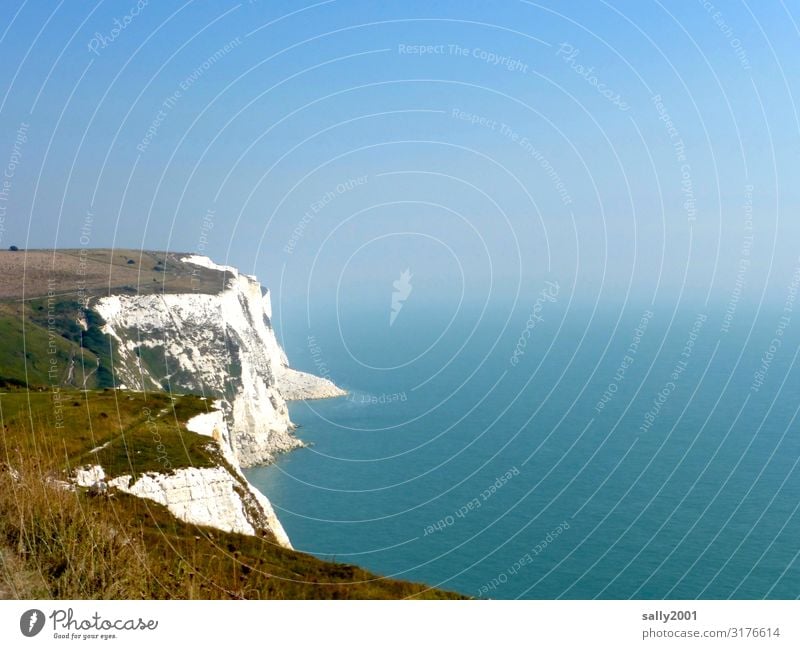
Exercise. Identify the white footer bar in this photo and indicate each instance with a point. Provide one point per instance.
(325, 624)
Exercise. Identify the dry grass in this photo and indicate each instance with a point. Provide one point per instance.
(56, 547)
(101, 272)
(57, 543)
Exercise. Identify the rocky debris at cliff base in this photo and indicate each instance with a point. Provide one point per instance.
(295, 385)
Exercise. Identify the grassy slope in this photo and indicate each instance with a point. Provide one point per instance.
(60, 544)
(127, 427)
(15, 358)
(25, 357)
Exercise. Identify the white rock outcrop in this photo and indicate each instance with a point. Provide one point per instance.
(88, 476)
(212, 424)
(213, 497)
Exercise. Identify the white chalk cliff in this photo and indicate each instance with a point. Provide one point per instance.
(222, 346)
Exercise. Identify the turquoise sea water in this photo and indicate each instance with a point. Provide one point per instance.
(451, 464)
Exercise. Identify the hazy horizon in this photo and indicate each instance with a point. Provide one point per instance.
(623, 150)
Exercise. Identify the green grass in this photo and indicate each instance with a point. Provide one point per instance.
(27, 354)
(62, 314)
(62, 317)
(29, 363)
(63, 544)
(135, 432)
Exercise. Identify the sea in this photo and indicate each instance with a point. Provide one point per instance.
(550, 451)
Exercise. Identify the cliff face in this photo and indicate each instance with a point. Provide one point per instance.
(217, 496)
(220, 345)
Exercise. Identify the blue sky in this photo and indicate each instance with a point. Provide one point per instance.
(487, 163)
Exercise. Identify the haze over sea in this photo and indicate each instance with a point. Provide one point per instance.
(451, 464)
